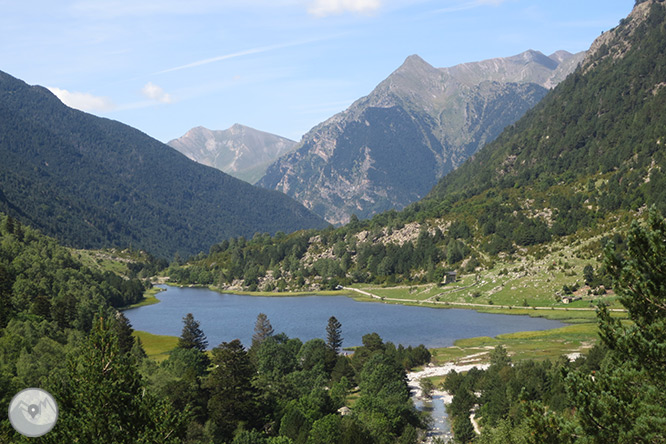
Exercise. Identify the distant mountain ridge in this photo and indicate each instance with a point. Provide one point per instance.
(389, 148)
(240, 151)
(94, 182)
(563, 182)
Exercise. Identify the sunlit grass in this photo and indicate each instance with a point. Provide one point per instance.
(546, 344)
(157, 347)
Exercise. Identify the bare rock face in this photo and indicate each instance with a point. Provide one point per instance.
(240, 151)
(389, 148)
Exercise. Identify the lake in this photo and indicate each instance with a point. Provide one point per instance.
(225, 317)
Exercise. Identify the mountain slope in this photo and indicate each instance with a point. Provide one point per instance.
(549, 192)
(388, 149)
(94, 182)
(604, 123)
(240, 151)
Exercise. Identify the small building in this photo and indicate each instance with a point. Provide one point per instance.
(451, 276)
(570, 299)
(344, 411)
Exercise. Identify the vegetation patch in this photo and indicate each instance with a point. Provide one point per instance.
(149, 298)
(538, 345)
(157, 347)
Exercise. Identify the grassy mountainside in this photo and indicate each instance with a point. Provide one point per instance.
(604, 126)
(578, 167)
(94, 182)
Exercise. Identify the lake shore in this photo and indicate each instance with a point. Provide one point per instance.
(530, 343)
(564, 314)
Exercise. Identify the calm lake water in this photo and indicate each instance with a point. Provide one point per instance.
(225, 317)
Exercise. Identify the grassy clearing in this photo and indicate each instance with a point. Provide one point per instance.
(531, 285)
(157, 347)
(538, 345)
(113, 260)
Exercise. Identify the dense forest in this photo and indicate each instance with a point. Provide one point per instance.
(93, 183)
(60, 331)
(615, 394)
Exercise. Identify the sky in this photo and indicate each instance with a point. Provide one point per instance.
(282, 66)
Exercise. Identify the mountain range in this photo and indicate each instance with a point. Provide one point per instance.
(93, 182)
(575, 171)
(240, 151)
(389, 148)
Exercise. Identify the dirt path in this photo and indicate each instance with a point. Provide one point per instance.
(468, 304)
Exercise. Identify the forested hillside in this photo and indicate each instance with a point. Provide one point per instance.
(616, 394)
(50, 338)
(59, 331)
(93, 183)
(582, 163)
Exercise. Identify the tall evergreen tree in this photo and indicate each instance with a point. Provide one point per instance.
(102, 399)
(123, 330)
(262, 330)
(626, 399)
(233, 399)
(192, 336)
(334, 334)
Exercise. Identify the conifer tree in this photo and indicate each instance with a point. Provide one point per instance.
(334, 334)
(233, 399)
(626, 399)
(192, 336)
(102, 399)
(262, 330)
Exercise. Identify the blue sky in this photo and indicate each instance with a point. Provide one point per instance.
(165, 66)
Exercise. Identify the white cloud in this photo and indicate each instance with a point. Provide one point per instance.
(154, 92)
(83, 101)
(323, 8)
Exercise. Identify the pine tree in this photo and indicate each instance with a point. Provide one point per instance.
(233, 399)
(102, 398)
(123, 331)
(192, 336)
(262, 330)
(625, 401)
(334, 334)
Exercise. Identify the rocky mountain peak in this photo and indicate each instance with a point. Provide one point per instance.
(237, 128)
(532, 56)
(389, 148)
(560, 56)
(414, 62)
(241, 151)
(615, 43)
